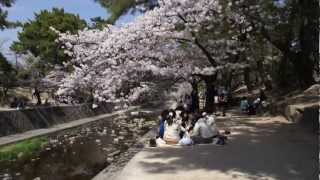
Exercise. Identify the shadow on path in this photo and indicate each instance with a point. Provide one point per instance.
(258, 148)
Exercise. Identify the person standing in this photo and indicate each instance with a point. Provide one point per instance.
(194, 101)
(188, 103)
(223, 103)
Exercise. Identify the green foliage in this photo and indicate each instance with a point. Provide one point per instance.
(292, 27)
(7, 75)
(98, 23)
(6, 3)
(3, 14)
(23, 148)
(5, 66)
(116, 8)
(39, 39)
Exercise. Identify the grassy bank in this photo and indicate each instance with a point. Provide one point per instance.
(22, 149)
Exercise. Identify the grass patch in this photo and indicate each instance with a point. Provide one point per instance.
(22, 149)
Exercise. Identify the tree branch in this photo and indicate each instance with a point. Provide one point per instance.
(201, 47)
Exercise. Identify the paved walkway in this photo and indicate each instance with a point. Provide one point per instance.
(59, 127)
(259, 148)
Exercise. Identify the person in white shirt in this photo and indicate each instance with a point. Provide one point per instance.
(212, 123)
(171, 131)
(202, 133)
(178, 118)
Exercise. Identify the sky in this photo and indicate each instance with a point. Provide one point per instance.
(23, 10)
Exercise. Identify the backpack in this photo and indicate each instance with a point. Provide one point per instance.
(152, 142)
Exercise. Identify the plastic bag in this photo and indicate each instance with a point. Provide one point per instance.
(185, 141)
(160, 142)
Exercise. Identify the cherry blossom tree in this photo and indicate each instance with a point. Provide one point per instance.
(177, 40)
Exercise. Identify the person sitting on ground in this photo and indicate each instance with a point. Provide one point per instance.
(218, 138)
(163, 117)
(256, 103)
(262, 95)
(263, 99)
(171, 131)
(185, 124)
(178, 117)
(193, 118)
(210, 120)
(202, 132)
(186, 140)
(244, 104)
(172, 113)
(251, 109)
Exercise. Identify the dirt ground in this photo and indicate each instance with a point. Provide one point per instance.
(258, 148)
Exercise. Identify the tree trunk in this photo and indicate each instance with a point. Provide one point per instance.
(247, 79)
(309, 42)
(5, 92)
(210, 92)
(302, 59)
(304, 68)
(209, 106)
(194, 96)
(3, 95)
(263, 76)
(229, 78)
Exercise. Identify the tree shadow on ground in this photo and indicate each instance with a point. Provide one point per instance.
(257, 149)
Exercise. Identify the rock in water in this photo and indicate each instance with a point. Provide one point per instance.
(115, 153)
(313, 90)
(110, 159)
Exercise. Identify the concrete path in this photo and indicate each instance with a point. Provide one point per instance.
(259, 148)
(59, 127)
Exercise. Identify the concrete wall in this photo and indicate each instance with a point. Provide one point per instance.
(17, 121)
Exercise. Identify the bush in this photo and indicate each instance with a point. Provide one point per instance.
(24, 148)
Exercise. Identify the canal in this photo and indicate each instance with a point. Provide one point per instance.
(79, 153)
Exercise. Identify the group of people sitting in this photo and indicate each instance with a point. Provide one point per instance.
(183, 128)
(251, 108)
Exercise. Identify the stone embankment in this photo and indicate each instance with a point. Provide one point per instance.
(81, 152)
(302, 108)
(19, 121)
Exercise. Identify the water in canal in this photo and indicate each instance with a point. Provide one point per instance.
(79, 154)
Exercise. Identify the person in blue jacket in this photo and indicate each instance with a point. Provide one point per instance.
(163, 117)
